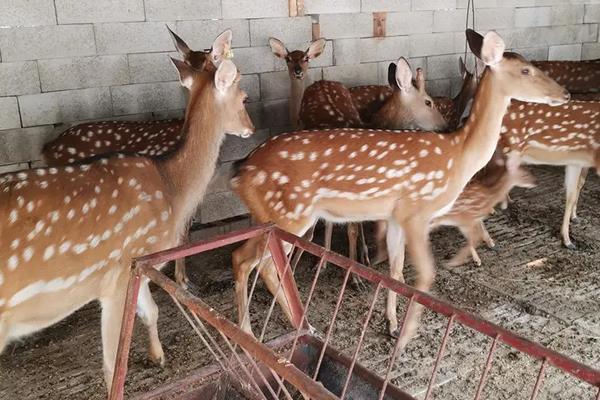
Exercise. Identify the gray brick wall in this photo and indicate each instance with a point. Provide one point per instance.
(64, 61)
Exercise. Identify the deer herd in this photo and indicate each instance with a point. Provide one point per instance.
(116, 190)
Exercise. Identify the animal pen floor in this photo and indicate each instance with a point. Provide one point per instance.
(555, 302)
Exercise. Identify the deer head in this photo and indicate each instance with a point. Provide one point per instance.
(410, 107)
(207, 59)
(297, 60)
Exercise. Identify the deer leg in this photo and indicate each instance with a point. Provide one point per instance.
(420, 254)
(148, 313)
(572, 174)
(180, 275)
(308, 236)
(381, 253)
(580, 183)
(328, 237)
(352, 240)
(3, 335)
(395, 245)
(269, 275)
(485, 235)
(112, 314)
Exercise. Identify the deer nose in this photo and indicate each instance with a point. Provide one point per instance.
(298, 71)
(566, 95)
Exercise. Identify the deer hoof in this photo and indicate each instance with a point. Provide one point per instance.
(158, 360)
(576, 220)
(393, 332)
(358, 283)
(570, 246)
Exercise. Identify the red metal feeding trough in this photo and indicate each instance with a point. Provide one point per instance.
(305, 363)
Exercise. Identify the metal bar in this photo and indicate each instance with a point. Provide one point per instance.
(486, 369)
(360, 341)
(439, 358)
(538, 381)
(290, 289)
(396, 349)
(256, 350)
(575, 368)
(120, 368)
(332, 324)
(202, 246)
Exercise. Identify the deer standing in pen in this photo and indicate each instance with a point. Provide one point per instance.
(69, 234)
(408, 179)
(297, 63)
(146, 138)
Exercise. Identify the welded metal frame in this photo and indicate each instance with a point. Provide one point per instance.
(283, 369)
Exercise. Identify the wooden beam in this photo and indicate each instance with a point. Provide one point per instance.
(316, 31)
(379, 24)
(293, 8)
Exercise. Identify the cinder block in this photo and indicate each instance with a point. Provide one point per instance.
(255, 8)
(5, 169)
(565, 52)
(145, 97)
(272, 114)
(83, 72)
(550, 36)
(276, 85)
(384, 5)
(433, 4)
(380, 49)
(236, 148)
(251, 60)
(133, 37)
(152, 67)
(82, 11)
(409, 23)
(24, 145)
(32, 43)
(218, 206)
(201, 34)
(592, 13)
(337, 26)
(19, 78)
(69, 105)
(449, 20)
(251, 85)
(590, 51)
(27, 13)
(431, 44)
(439, 67)
(492, 18)
(438, 87)
(170, 10)
(534, 53)
(210, 231)
(331, 6)
(288, 30)
(346, 51)
(165, 114)
(548, 16)
(352, 75)
(9, 113)
(220, 180)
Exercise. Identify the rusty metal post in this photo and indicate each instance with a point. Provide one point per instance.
(379, 26)
(120, 370)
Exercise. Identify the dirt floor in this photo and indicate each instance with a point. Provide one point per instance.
(555, 302)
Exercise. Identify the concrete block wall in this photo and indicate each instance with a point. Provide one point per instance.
(65, 61)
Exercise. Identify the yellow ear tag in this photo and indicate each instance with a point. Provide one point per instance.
(228, 54)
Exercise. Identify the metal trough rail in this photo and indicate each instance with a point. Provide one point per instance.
(301, 364)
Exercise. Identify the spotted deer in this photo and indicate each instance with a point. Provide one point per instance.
(568, 136)
(408, 179)
(576, 76)
(69, 234)
(146, 138)
(297, 63)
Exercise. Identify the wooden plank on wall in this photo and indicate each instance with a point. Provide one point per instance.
(316, 31)
(379, 24)
(296, 8)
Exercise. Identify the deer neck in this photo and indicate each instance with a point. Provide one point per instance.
(188, 171)
(296, 92)
(479, 136)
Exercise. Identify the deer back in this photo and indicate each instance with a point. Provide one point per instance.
(575, 76)
(368, 99)
(328, 104)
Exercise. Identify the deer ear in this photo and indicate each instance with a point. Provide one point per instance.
(221, 47)
(316, 48)
(186, 75)
(278, 48)
(403, 75)
(475, 41)
(225, 76)
(392, 76)
(181, 46)
(493, 48)
(461, 67)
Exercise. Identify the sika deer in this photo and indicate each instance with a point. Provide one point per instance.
(69, 234)
(576, 76)
(568, 135)
(297, 63)
(410, 178)
(476, 202)
(146, 138)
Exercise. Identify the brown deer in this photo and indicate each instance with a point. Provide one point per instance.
(408, 179)
(146, 138)
(567, 135)
(297, 63)
(69, 234)
(576, 76)
(476, 202)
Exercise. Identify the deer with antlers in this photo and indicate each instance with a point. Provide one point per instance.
(408, 179)
(146, 138)
(297, 62)
(69, 234)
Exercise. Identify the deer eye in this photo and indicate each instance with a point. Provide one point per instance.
(428, 103)
(525, 71)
